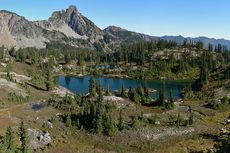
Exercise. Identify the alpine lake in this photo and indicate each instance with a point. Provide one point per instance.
(80, 85)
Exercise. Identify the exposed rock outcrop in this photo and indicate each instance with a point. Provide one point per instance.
(39, 139)
(74, 25)
(16, 31)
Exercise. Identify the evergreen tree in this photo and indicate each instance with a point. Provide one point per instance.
(224, 143)
(171, 99)
(210, 47)
(146, 91)
(49, 79)
(100, 93)
(190, 116)
(219, 48)
(227, 74)
(2, 52)
(92, 87)
(23, 135)
(121, 123)
(199, 45)
(136, 97)
(206, 65)
(130, 94)
(8, 144)
(142, 58)
(98, 119)
(78, 99)
(110, 125)
(107, 91)
(216, 49)
(122, 91)
(162, 95)
(67, 57)
(8, 74)
(178, 120)
(204, 74)
(68, 120)
(135, 121)
(185, 42)
(80, 60)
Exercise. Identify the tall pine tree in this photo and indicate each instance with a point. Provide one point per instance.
(92, 87)
(24, 138)
(121, 123)
(8, 144)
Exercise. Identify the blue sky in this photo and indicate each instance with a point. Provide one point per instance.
(193, 18)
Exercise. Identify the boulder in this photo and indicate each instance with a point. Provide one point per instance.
(39, 139)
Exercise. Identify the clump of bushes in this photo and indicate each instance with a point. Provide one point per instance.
(17, 98)
(220, 105)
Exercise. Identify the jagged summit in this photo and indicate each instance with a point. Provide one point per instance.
(73, 24)
(69, 24)
(73, 8)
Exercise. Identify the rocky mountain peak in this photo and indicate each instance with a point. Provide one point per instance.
(7, 15)
(65, 15)
(72, 8)
(72, 23)
(16, 31)
(114, 29)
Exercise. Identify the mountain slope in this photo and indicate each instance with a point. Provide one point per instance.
(71, 27)
(130, 37)
(74, 25)
(16, 31)
(127, 36)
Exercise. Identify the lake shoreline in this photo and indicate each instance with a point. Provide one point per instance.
(123, 77)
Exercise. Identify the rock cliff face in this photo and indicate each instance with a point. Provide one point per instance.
(73, 24)
(80, 25)
(16, 31)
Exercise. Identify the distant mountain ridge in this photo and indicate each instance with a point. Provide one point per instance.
(71, 27)
(205, 40)
(127, 35)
